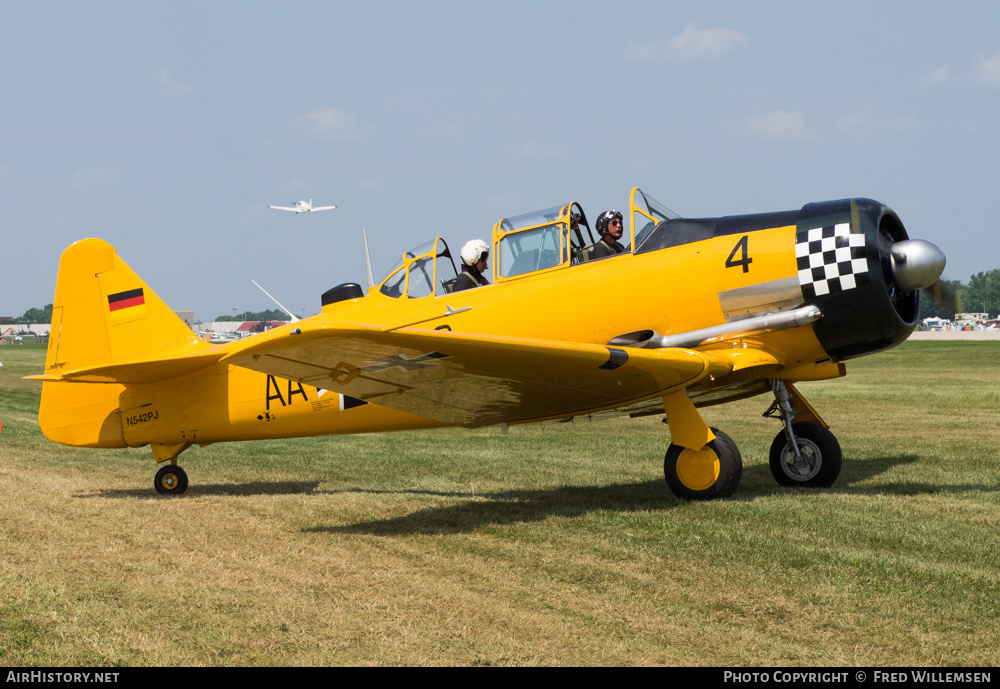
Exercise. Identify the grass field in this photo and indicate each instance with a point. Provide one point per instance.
(554, 545)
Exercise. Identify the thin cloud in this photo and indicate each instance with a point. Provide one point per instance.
(690, 45)
(296, 186)
(864, 123)
(95, 178)
(779, 126)
(169, 86)
(854, 122)
(254, 214)
(988, 71)
(331, 124)
(711, 44)
(938, 76)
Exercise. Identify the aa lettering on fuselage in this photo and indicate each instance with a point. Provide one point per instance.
(274, 392)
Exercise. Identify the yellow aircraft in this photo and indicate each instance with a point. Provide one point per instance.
(694, 312)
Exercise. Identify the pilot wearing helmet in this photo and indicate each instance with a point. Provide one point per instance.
(609, 226)
(474, 255)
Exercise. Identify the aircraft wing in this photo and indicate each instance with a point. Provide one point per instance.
(285, 208)
(471, 380)
(323, 208)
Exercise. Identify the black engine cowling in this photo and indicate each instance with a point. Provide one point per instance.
(854, 261)
(844, 254)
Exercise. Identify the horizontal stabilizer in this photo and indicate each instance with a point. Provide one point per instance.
(136, 371)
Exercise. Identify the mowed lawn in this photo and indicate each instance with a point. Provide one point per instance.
(554, 545)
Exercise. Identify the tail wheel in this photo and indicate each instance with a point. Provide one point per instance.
(706, 474)
(171, 480)
(820, 461)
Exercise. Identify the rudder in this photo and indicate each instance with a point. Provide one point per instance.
(103, 314)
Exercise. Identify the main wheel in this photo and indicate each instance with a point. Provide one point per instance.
(821, 458)
(706, 474)
(170, 480)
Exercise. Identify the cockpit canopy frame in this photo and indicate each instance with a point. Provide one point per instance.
(646, 213)
(540, 241)
(427, 270)
(527, 244)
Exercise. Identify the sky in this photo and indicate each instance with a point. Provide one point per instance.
(167, 128)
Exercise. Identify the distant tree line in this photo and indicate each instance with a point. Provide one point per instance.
(983, 293)
(272, 315)
(43, 315)
(948, 297)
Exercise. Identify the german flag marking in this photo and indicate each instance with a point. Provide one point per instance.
(124, 300)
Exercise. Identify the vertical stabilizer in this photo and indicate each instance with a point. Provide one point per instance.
(103, 314)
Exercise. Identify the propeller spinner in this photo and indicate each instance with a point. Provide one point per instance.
(916, 264)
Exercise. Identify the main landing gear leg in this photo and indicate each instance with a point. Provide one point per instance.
(702, 463)
(805, 453)
(171, 479)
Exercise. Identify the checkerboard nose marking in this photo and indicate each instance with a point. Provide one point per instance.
(831, 260)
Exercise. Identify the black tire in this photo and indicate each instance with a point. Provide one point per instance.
(709, 474)
(171, 480)
(820, 452)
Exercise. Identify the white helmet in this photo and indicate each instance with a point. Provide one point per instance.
(474, 251)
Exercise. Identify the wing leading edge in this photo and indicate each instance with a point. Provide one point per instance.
(472, 380)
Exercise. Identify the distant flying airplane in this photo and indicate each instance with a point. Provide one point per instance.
(303, 207)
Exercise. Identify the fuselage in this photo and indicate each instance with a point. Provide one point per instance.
(686, 278)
